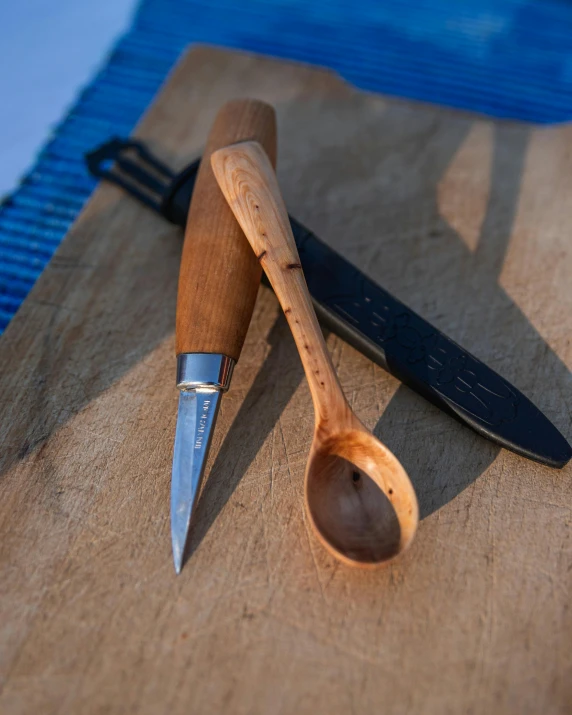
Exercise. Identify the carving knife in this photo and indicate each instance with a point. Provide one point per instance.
(218, 284)
(368, 317)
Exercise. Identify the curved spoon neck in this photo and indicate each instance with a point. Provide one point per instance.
(332, 417)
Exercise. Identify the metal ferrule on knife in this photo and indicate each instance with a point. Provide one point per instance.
(204, 371)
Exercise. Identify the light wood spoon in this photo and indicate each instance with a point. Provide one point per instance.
(358, 496)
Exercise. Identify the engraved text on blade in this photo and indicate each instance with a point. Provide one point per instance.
(202, 423)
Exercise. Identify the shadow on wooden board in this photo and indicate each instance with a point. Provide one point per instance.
(100, 308)
(389, 225)
(441, 456)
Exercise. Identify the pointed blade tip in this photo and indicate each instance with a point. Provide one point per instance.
(177, 558)
(195, 423)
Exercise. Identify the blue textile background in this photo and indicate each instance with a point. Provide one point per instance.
(507, 58)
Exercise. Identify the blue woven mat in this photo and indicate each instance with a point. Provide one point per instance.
(507, 58)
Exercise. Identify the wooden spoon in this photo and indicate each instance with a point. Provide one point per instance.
(358, 496)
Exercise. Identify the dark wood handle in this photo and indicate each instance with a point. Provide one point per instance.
(220, 275)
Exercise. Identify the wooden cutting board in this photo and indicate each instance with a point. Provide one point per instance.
(465, 219)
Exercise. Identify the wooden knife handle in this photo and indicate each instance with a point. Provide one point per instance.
(220, 275)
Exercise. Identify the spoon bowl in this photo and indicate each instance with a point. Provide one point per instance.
(354, 494)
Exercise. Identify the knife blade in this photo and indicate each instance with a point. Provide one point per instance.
(368, 317)
(218, 284)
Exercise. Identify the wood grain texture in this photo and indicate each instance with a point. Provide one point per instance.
(249, 185)
(474, 618)
(357, 495)
(219, 276)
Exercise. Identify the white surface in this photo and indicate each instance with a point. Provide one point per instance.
(49, 50)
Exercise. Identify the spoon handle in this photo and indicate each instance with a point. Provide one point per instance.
(248, 182)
